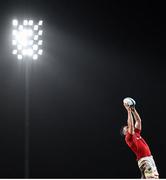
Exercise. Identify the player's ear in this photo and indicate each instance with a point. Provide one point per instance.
(122, 130)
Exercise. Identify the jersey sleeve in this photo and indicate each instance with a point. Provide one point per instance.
(137, 130)
(128, 137)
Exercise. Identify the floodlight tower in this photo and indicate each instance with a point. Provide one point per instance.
(27, 45)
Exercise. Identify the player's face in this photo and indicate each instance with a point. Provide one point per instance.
(125, 130)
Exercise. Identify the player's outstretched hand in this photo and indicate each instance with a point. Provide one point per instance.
(133, 108)
(128, 108)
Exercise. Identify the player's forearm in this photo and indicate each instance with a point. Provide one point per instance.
(136, 115)
(130, 123)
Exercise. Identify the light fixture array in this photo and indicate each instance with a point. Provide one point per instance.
(27, 39)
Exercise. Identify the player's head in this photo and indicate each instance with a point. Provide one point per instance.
(124, 130)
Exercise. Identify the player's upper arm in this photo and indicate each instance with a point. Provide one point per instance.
(131, 128)
(138, 125)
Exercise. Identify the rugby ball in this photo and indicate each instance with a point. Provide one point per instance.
(129, 101)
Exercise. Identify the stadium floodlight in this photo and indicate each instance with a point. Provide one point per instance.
(40, 52)
(40, 23)
(30, 22)
(25, 22)
(35, 57)
(36, 37)
(27, 44)
(19, 56)
(27, 39)
(40, 42)
(40, 32)
(15, 22)
(15, 51)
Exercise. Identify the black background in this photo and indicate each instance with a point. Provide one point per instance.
(95, 54)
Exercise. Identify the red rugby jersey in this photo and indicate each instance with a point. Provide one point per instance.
(137, 144)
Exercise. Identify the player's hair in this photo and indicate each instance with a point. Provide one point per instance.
(121, 130)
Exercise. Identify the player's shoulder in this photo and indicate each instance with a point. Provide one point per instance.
(128, 136)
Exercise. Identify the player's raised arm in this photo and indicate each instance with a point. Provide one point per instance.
(130, 121)
(138, 123)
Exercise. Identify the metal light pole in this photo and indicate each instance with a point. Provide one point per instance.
(27, 123)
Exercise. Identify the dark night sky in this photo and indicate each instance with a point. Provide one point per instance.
(95, 54)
